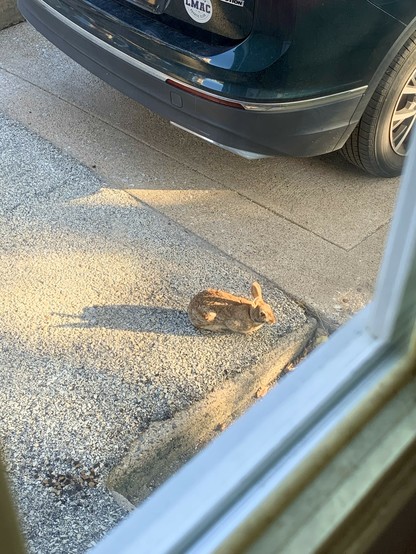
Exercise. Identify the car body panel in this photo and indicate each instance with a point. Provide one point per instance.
(300, 50)
(302, 58)
(229, 20)
(403, 10)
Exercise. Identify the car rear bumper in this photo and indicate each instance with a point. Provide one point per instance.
(303, 128)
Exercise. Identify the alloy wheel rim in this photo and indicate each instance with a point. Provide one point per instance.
(403, 117)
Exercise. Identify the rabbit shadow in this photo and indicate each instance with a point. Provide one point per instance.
(144, 319)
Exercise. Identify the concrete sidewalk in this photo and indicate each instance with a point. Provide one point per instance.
(315, 227)
(95, 343)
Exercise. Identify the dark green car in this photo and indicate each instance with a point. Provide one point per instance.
(258, 77)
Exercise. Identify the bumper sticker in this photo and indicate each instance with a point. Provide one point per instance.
(239, 3)
(199, 10)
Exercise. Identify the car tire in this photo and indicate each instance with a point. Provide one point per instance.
(378, 143)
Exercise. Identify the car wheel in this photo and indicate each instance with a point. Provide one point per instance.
(379, 142)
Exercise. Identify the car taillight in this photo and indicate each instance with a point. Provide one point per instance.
(205, 95)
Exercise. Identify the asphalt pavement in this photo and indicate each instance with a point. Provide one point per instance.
(111, 219)
(95, 342)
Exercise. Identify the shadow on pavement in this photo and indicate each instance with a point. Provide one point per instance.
(145, 319)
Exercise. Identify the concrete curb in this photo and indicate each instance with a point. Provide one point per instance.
(9, 14)
(166, 445)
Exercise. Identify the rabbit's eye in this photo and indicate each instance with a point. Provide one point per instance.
(262, 314)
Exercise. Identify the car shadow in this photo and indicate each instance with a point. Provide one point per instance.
(143, 319)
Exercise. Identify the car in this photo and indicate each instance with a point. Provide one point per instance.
(257, 77)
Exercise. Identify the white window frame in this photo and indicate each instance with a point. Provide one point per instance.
(213, 495)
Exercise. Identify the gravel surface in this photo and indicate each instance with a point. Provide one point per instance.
(94, 338)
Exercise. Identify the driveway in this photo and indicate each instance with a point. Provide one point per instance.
(96, 349)
(315, 227)
(110, 220)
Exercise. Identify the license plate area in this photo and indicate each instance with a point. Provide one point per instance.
(154, 6)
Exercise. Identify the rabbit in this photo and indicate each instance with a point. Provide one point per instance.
(217, 310)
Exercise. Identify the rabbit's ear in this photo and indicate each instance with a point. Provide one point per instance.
(256, 291)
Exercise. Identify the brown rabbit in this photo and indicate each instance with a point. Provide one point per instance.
(217, 310)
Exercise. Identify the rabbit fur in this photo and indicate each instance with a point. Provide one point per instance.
(217, 310)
